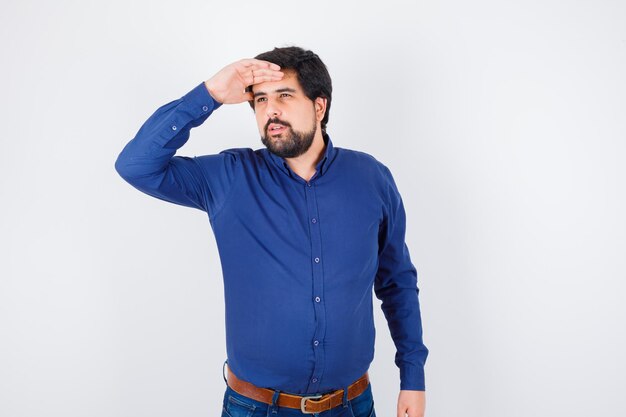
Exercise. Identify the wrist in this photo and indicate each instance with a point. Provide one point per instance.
(211, 91)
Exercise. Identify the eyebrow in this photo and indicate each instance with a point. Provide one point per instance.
(280, 90)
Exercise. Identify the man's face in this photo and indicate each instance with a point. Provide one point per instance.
(285, 116)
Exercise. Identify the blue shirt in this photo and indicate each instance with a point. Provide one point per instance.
(299, 258)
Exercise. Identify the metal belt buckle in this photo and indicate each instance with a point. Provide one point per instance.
(303, 401)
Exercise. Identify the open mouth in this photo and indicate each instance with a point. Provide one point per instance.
(275, 128)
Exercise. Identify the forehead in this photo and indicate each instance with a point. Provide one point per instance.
(289, 80)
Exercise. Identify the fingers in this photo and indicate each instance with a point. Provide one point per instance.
(258, 63)
(257, 71)
(261, 75)
(226, 85)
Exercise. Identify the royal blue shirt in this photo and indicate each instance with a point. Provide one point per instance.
(299, 258)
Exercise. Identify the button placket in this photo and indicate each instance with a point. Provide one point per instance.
(318, 286)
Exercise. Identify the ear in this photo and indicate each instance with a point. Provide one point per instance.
(320, 107)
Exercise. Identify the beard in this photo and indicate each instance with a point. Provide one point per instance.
(290, 143)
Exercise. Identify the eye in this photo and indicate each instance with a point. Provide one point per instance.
(285, 94)
(258, 100)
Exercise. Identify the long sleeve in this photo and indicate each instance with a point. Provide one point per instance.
(148, 163)
(396, 286)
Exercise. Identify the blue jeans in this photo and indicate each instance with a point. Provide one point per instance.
(237, 405)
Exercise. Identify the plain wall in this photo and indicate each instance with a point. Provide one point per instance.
(502, 122)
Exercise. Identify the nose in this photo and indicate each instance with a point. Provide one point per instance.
(272, 110)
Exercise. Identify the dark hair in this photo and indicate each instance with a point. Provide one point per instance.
(312, 74)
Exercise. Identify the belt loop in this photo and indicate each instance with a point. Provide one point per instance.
(273, 408)
(345, 397)
(223, 375)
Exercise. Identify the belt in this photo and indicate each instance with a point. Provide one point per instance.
(307, 404)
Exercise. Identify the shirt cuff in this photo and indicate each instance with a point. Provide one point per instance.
(412, 377)
(200, 97)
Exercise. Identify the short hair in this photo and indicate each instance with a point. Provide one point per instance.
(312, 74)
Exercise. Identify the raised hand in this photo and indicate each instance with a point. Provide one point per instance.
(229, 84)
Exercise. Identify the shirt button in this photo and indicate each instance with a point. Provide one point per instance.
(314, 379)
(313, 220)
(205, 108)
(317, 260)
(308, 184)
(174, 127)
(316, 343)
(317, 299)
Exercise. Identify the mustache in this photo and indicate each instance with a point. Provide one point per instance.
(276, 121)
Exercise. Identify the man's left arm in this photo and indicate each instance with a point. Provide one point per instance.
(396, 286)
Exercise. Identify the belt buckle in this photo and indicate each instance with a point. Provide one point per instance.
(303, 401)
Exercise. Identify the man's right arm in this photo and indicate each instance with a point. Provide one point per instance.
(148, 163)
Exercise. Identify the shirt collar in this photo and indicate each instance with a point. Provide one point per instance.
(322, 165)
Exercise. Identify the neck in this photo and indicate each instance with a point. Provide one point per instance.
(304, 165)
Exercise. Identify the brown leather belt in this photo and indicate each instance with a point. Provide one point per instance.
(307, 404)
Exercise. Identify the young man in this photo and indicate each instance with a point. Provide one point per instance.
(304, 230)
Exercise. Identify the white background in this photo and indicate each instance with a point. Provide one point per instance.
(502, 122)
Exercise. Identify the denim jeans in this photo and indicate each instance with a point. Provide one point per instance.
(237, 405)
